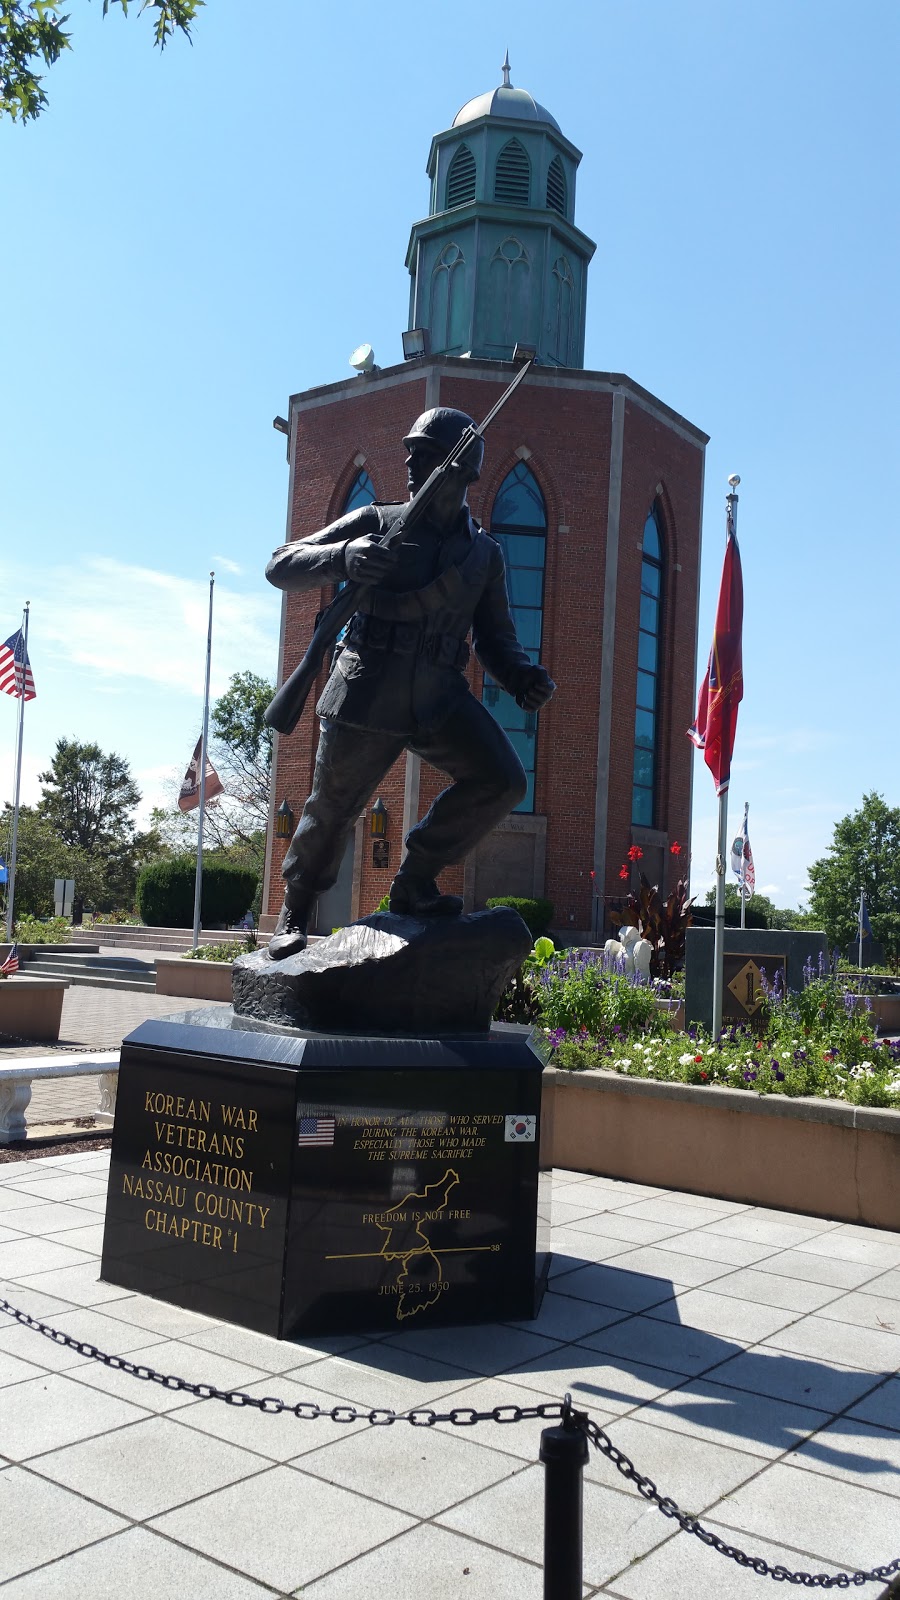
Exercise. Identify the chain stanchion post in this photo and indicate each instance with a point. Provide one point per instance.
(564, 1453)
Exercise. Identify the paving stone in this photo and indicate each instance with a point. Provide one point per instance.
(685, 1569)
(420, 1471)
(572, 1249)
(22, 1258)
(252, 1349)
(836, 1521)
(134, 1563)
(849, 1447)
(41, 1521)
(310, 1526)
(714, 1247)
(734, 1417)
(870, 1348)
(594, 1380)
(608, 1285)
(823, 1269)
(761, 1287)
(148, 1468)
(617, 1527)
(13, 1370)
(82, 1284)
(384, 1375)
(792, 1235)
(486, 1350)
(277, 1437)
(51, 1216)
(721, 1314)
(672, 1213)
(431, 1563)
(765, 1370)
(690, 1469)
(46, 1413)
(867, 1252)
(88, 1238)
(622, 1225)
(865, 1309)
(663, 1344)
(881, 1405)
(562, 1317)
(88, 1326)
(520, 1439)
(658, 1261)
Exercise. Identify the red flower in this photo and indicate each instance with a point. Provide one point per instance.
(703, 1074)
(697, 1060)
(635, 853)
(675, 848)
(623, 872)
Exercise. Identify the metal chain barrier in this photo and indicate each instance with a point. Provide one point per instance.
(465, 1417)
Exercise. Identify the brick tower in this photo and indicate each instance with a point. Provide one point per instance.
(593, 488)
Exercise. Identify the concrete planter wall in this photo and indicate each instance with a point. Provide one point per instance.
(818, 1156)
(31, 1008)
(885, 1011)
(195, 980)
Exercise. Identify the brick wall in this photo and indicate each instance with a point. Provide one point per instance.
(566, 428)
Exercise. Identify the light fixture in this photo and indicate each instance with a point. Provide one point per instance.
(378, 819)
(524, 352)
(363, 358)
(281, 424)
(416, 343)
(284, 821)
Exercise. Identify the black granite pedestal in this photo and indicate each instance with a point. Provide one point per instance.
(321, 1184)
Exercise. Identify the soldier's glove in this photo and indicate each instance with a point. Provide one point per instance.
(535, 688)
(367, 561)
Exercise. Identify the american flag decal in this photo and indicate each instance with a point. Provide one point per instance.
(315, 1130)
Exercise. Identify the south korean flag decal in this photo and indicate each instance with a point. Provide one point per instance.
(520, 1130)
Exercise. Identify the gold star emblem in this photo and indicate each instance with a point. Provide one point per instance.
(746, 986)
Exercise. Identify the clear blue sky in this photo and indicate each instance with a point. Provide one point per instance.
(192, 238)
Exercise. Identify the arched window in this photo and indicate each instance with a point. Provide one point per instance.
(448, 309)
(647, 710)
(512, 180)
(563, 292)
(461, 178)
(556, 187)
(360, 493)
(519, 524)
(509, 297)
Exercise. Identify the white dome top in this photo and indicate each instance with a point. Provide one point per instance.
(505, 102)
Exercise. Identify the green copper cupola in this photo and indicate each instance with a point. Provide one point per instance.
(499, 261)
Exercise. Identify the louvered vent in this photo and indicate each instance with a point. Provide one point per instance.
(556, 187)
(461, 178)
(512, 184)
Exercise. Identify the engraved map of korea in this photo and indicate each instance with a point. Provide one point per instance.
(405, 1225)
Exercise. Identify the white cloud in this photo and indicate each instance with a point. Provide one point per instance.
(130, 622)
(226, 564)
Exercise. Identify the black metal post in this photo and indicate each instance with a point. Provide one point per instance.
(564, 1452)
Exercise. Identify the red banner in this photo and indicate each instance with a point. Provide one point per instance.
(722, 688)
(189, 796)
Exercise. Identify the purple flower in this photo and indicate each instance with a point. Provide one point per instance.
(557, 1036)
(749, 1076)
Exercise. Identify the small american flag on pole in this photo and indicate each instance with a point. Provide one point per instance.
(15, 668)
(11, 964)
(315, 1130)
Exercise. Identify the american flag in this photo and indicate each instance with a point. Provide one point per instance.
(11, 964)
(315, 1130)
(15, 668)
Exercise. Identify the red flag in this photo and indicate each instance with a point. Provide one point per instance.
(189, 797)
(722, 688)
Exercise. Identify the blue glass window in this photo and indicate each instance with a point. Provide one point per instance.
(646, 719)
(519, 524)
(361, 492)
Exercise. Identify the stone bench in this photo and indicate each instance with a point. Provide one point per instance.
(18, 1077)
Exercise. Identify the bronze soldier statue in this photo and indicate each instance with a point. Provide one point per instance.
(398, 682)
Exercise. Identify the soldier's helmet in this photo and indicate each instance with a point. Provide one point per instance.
(440, 429)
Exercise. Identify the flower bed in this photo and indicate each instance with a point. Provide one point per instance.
(816, 1042)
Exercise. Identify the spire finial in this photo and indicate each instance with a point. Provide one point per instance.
(505, 69)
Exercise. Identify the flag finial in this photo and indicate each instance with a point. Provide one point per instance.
(505, 69)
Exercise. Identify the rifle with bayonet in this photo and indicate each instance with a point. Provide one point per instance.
(285, 709)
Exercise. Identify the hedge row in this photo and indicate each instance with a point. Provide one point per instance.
(165, 892)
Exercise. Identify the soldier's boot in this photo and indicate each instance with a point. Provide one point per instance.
(289, 937)
(414, 896)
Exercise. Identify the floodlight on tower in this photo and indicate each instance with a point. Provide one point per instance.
(363, 358)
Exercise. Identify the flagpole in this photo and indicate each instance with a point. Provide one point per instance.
(198, 882)
(11, 882)
(862, 901)
(731, 501)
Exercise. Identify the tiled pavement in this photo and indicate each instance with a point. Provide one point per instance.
(745, 1359)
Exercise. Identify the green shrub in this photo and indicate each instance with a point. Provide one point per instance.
(166, 892)
(228, 950)
(29, 930)
(536, 914)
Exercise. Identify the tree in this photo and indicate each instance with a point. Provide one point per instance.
(33, 31)
(241, 752)
(88, 797)
(864, 854)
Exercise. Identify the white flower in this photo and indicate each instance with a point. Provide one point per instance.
(625, 1062)
(684, 1061)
